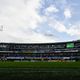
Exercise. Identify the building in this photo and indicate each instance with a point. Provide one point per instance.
(61, 51)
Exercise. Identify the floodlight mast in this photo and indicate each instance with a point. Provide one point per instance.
(1, 28)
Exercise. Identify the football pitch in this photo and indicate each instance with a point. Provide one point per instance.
(39, 70)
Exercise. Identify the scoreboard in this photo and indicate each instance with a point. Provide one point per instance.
(70, 45)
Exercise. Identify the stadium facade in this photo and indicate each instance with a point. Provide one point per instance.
(60, 51)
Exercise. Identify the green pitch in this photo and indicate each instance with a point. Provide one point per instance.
(40, 65)
(40, 70)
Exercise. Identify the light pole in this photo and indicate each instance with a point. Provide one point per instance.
(1, 28)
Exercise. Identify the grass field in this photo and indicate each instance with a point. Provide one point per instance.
(8, 64)
(40, 70)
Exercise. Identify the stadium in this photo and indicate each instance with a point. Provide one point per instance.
(59, 51)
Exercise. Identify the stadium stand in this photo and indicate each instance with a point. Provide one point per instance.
(60, 51)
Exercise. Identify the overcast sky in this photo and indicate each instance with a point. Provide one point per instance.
(39, 21)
